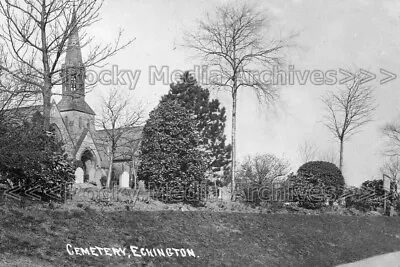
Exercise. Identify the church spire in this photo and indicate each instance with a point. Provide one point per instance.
(73, 74)
(74, 53)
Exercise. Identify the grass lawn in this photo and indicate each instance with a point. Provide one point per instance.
(39, 237)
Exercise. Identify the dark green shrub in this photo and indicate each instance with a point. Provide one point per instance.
(250, 195)
(255, 194)
(371, 196)
(360, 199)
(317, 182)
(34, 158)
(210, 118)
(172, 159)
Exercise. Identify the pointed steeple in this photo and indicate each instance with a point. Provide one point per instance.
(73, 75)
(74, 53)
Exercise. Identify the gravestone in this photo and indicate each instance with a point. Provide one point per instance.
(141, 186)
(398, 186)
(142, 192)
(92, 172)
(79, 175)
(124, 180)
(225, 193)
(97, 176)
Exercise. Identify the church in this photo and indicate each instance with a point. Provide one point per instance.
(74, 123)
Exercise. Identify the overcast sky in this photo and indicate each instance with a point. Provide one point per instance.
(333, 35)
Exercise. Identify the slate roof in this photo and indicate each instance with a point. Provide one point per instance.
(78, 104)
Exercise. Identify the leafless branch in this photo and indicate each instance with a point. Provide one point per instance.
(392, 132)
(392, 168)
(263, 169)
(36, 34)
(348, 110)
(307, 151)
(233, 40)
(118, 123)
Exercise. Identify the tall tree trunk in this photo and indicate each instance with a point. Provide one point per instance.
(134, 172)
(341, 155)
(111, 160)
(233, 164)
(46, 106)
(46, 90)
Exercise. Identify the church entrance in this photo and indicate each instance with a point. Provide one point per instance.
(89, 166)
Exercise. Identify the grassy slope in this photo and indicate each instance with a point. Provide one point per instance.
(219, 239)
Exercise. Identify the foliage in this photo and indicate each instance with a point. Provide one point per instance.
(210, 120)
(118, 122)
(256, 175)
(171, 158)
(358, 198)
(262, 169)
(371, 196)
(235, 39)
(251, 194)
(36, 34)
(316, 182)
(33, 157)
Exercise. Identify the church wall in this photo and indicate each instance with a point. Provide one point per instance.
(58, 121)
(77, 121)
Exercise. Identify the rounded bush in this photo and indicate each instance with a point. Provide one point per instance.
(317, 182)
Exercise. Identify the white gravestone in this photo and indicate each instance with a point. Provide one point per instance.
(141, 186)
(124, 180)
(91, 173)
(79, 175)
(97, 177)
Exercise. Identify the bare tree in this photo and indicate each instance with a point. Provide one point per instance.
(263, 169)
(392, 168)
(349, 109)
(233, 39)
(307, 151)
(392, 132)
(329, 155)
(13, 95)
(118, 121)
(36, 35)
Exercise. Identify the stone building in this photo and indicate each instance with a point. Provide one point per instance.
(74, 123)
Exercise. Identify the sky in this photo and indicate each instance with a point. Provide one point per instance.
(332, 35)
